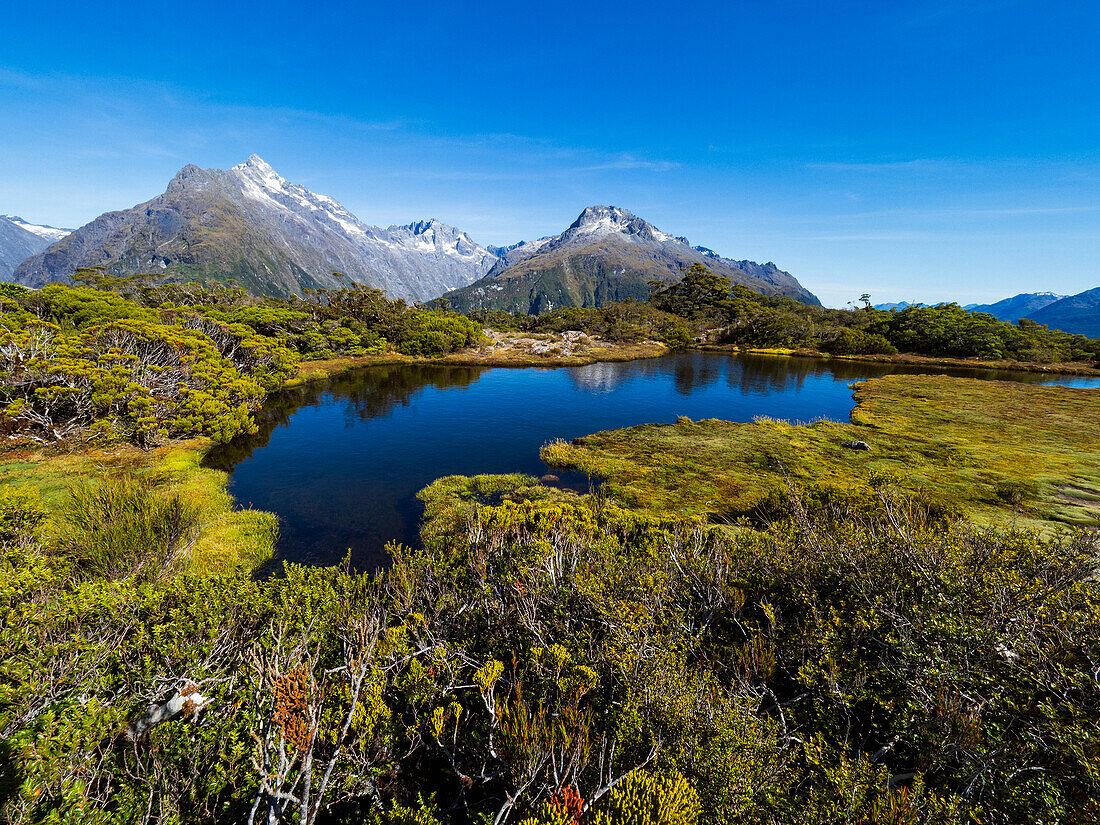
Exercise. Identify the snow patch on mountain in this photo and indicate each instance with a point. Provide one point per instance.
(50, 233)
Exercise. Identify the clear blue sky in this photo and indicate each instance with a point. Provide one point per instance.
(916, 150)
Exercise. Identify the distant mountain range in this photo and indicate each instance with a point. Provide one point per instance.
(272, 236)
(1078, 314)
(1018, 306)
(897, 305)
(1075, 313)
(607, 254)
(278, 238)
(20, 239)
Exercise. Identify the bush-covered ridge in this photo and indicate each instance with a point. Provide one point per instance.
(739, 316)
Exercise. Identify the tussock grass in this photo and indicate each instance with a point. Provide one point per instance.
(225, 539)
(125, 525)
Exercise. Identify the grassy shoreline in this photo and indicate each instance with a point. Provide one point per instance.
(1075, 368)
(997, 452)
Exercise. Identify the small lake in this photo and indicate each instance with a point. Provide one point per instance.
(340, 461)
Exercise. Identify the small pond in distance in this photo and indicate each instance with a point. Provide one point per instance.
(340, 461)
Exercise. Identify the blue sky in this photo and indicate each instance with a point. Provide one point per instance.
(915, 150)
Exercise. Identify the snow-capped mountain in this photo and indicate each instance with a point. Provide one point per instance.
(1078, 313)
(19, 239)
(50, 233)
(274, 237)
(607, 254)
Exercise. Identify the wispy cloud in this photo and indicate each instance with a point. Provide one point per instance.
(916, 164)
(629, 162)
(938, 12)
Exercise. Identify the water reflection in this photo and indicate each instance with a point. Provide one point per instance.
(340, 461)
(366, 394)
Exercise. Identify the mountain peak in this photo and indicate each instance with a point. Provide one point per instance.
(275, 236)
(607, 220)
(420, 227)
(258, 170)
(186, 177)
(254, 161)
(596, 216)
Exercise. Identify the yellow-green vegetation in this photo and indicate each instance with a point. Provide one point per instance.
(224, 538)
(552, 658)
(976, 364)
(741, 317)
(1000, 452)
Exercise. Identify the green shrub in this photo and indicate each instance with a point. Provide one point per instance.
(850, 341)
(21, 515)
(643, 799)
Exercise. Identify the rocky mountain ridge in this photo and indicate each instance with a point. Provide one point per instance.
(607, 254)
(272, 236)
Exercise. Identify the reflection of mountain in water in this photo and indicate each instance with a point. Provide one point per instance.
(370, 393)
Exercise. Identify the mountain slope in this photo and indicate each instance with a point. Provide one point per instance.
(20, 240)
(1018, 306)
(1076, 313)
(607, 254)
(273, 236)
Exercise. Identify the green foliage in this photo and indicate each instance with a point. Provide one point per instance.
(850, 341)
(622, 321)
(642, 799)
(432, 334)
(146, 379)
(102, 362)
(700, 293)
(749, 319)
(22, 515)
(872, 664)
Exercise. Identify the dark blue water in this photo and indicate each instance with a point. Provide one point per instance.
(341, 461)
